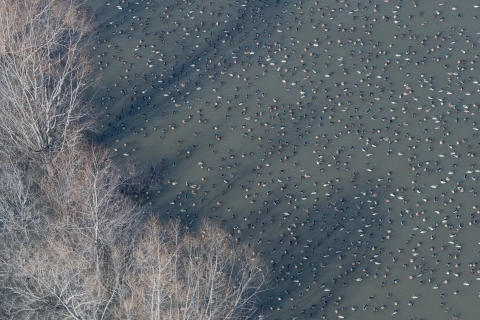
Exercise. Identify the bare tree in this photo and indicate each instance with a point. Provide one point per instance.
(71, 266)
(180, 275)
(22, 220)
(87, 257)
(84, 188)
(20, 206)
(49, 277)
(44, 71)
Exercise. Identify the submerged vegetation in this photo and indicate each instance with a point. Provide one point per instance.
(74, 243)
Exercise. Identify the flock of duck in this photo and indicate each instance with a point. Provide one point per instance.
(337, 139)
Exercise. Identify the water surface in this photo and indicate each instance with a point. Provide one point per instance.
(336, 138)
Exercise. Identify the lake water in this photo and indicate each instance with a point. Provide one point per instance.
(336, 138)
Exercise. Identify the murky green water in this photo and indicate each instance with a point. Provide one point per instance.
(338, 139)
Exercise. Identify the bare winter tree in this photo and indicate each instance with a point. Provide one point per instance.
(21, 219)
(47, 276)
(180, 275)
(71, 249)
(71, 266)
(44, 71)
(84, 188)
(20, 206)
(86, 257)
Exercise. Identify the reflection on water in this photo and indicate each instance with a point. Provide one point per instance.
(337, 138)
